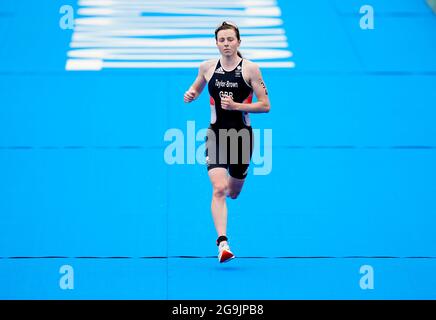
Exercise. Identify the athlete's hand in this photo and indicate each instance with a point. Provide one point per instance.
(190, 96)
(227, 103)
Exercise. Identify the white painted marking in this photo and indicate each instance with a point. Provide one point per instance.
(84, 33)
(125, 12)
(172, 33)
(175, 22)
(84, 64)
(128, 56)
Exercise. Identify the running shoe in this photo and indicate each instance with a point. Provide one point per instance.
(224, 253)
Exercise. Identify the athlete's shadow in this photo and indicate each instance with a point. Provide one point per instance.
(227, 268)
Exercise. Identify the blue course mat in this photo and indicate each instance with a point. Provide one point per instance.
(344, 190)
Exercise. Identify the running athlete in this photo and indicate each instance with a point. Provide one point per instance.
(229, 143)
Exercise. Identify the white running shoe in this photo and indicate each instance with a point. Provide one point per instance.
(224, 253)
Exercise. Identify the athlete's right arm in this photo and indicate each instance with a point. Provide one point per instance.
(197, 87)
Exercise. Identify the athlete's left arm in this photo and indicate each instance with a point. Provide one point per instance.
(262, 104)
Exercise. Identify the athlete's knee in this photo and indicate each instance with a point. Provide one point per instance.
(219, 189)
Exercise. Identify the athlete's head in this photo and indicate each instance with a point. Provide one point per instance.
(228, 38)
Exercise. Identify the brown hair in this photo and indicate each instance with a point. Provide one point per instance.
(228, 26)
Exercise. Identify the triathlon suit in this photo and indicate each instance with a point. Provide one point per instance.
(229, 141)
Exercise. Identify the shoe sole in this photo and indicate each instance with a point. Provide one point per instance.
(226, 256)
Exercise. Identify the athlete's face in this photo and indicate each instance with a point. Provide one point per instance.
(227, 42)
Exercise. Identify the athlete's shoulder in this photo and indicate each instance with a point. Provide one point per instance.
(251, 69)
(206, 65)
(250, 64)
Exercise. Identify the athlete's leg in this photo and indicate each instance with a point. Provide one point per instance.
(218, 178)
(238, 171)
(234, 187)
